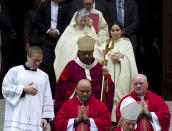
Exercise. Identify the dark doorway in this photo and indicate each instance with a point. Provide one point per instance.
(167, 47)
(150, 36)
(17, 10)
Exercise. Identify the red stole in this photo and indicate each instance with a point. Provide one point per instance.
(95, 19)
(83, 126)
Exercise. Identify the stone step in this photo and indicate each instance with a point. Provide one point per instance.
(169, 103)
(2, 110)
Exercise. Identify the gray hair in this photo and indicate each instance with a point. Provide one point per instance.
(34, 49)
(82, 13)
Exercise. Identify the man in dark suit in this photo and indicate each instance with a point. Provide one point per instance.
(30, 29)
(130, 18)
(100, 5)
(52, 21)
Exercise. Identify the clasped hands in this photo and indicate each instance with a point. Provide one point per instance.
(144, 107)
(82, 116)
(53, 33)
(144, 110)
(115, 57)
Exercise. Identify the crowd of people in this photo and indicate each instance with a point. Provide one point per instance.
(82, 55)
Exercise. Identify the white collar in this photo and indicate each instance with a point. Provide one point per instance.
(85, 66)
(53, 3)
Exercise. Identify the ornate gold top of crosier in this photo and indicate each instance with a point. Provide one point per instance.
(107, 49)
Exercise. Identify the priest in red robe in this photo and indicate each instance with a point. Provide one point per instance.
(83, 112)
(83, 67)
(130, 110)
(154, 115)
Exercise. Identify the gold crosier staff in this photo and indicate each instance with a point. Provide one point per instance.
(105, 78)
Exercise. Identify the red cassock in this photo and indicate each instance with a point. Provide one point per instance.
(96, 110)
(119, 128)
(69, 78)
(155, 104)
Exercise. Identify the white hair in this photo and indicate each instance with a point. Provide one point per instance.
(82, 13)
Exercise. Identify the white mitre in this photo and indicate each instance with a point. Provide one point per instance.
(130, 109)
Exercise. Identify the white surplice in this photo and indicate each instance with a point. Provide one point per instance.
(24, 113)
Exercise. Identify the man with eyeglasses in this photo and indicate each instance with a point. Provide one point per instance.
(154, 114)
(26, 88)
(83, 112)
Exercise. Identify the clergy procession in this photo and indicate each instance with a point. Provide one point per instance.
(81, 71)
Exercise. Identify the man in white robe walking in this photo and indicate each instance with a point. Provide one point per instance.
(26, 89)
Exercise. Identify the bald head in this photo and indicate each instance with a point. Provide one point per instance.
(142, 76)
(83, 90)
(140, 84)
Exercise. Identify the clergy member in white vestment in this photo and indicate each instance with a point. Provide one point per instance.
(26, 89)
(67, 48)
(102, 31)
(120, 63)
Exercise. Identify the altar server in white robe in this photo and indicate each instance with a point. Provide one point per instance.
(26, 89)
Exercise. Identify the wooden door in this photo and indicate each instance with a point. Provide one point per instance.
(167, 50)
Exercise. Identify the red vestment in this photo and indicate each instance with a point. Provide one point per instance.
(155, 104)
(97, 111)
(69, 78)
(119, 128)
